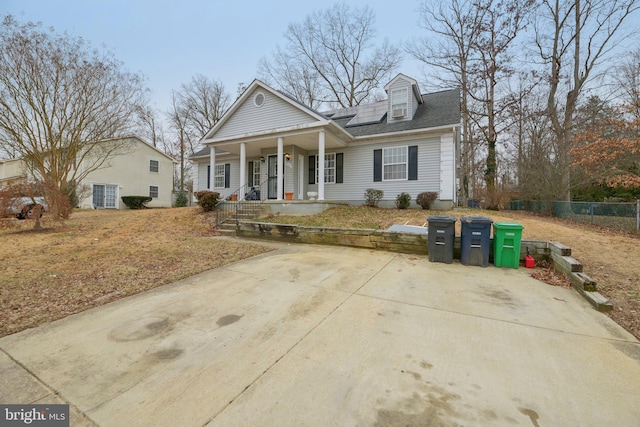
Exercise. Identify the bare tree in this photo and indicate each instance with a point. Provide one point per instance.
(333, 56)
(452, 28)
(150, 126)
(472, 41)
(500, 24)
(195, 109)
(302, 83)
(58, 97)
(572, 39)
(203, 101)
(179, 150)
(626, 79)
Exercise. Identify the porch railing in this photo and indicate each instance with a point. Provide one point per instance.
(246, 200)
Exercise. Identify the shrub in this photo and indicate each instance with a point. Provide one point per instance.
(181, 199)
(136, 202)
(426, 199)
(207, 199)
(403, 200)
(372, 197)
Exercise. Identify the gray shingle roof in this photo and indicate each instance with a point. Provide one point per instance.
(437, 109)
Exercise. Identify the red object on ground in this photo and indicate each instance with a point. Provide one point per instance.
(529, 262)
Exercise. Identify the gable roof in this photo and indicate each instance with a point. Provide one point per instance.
(433, 111)
(118, 138)
(437, 109)
(414, 85)
(257, 84)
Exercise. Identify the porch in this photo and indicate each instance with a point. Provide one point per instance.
(290, 165)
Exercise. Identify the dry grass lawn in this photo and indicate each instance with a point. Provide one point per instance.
(99, 256)
(608, 256)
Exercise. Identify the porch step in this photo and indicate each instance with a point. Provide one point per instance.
(228, 227)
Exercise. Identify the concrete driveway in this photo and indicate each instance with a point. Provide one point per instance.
(331, 336)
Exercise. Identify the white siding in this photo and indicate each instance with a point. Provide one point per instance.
(130, 172)
(273, 114)
(447, 167)
(411, 105)
(358, 172)
(11, 169)
(234, 185)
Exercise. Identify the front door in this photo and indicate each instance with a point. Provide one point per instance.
(272, 174)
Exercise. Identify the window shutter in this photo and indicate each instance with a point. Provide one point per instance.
(377, 165)
(339, 167)
(227, 175)
(413, 163)
(312, 169)
(250, 180)
(208, 177)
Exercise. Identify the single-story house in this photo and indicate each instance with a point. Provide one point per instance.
(271, 142)
(139, 170)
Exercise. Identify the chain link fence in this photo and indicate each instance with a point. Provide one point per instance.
(622, 216)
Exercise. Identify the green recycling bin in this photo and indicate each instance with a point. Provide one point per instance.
(506, 244)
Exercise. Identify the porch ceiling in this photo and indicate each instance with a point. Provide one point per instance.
(255, 145)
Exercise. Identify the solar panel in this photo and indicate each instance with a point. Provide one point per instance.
(370, 113)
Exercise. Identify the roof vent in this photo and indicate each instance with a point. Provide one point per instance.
(258, 100)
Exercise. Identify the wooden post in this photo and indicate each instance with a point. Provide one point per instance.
(638, 215)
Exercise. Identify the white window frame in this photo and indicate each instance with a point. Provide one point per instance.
(256, 173)
(395, 162)
(107, 201)
(218, 176)
(329, 171)
(151, 166)
(399, 100)
(151, 191)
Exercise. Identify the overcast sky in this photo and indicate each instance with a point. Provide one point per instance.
(171, 41)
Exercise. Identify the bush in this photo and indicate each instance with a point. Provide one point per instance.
(426, 199)
(372, 197)
(136, 202)
(181, 199)
(403, 200)
(207, 199)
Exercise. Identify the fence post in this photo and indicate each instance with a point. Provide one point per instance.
(638, 215)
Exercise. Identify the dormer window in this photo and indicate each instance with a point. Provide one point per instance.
(399, 103)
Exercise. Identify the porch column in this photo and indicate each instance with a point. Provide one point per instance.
(243, 173)
(321, 165)
(212, 166)
(280, 192)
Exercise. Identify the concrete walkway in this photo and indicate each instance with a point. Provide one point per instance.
(332, 336)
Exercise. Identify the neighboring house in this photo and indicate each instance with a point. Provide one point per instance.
(11, 170)
(142, 171)
(406, 143)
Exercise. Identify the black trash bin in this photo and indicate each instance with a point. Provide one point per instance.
(475, 240)
(441, 237)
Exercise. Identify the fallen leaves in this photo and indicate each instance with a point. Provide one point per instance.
(545, 273)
